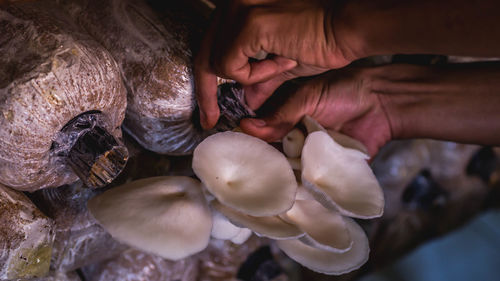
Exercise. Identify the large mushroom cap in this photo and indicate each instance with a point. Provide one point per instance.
(328, 262)
(272, 227)
(340, 178)
(167, 216)
(245, 173)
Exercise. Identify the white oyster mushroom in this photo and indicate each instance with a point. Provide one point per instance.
(166, 216)
(328, 262)
(312, 125)
(245, 173)
(242, 236)
(325, 229)
(340, 178)
(345, 141)
(222, 228)
(272, 226)
(293, 143)
(295, 163)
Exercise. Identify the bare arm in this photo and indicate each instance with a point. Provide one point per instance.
(455, 102)
(374, 105)
(451, 27)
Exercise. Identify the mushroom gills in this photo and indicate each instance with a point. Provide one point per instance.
(328, 262)
(272, 226)
(325, 229)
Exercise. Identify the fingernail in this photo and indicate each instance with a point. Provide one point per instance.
(258, 122)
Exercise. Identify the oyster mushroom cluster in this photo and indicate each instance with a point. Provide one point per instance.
(248, 186)
(310, 216)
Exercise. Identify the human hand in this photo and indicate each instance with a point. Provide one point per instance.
(300, 35)
(340, 100)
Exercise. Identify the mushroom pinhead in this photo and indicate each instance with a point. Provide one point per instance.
(222, 228)
(166, 216)
(330, 233)
(272, 227)
(293, 143)
(245, 173)
(242, 236)
(329, 262)
(340, 178)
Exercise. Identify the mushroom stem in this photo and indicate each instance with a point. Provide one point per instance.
(93, 153)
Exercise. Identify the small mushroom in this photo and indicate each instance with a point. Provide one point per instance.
(328, 262)
(272, 227)
(245, 173)
(242, 236)
(222, 228)
(312, 125)
(293, 143)
(340, 178)
(325, 229)
(166, 216)
(295, 163)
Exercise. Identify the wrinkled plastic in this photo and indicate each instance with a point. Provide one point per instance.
(222, 259)
(60, 276)
(79, 240)
(155, 58)
(50, 72)
(26, 237)
(134, 265)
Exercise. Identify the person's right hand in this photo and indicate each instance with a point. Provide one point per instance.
(340, 100)
(301, 37)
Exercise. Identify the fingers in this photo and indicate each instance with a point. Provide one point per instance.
(206, 81)
(281, 121)
(236, 64)
(257, 94)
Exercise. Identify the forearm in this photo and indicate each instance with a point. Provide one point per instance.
(456, 102)
(453, 27)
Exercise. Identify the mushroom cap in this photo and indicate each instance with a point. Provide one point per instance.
(347, 141)
(272, 227)
(222, 228)
(330, 233)
(327, 262)
(293, 143)
(166, 216)
(344, 140)
(312, 125)
(340, 178)
(245, 173)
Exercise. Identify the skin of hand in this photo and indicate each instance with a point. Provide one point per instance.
(299, 35)
(375, 104)
(322, 35)
(341, 100)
